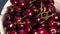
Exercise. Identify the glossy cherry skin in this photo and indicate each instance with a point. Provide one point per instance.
(20, 26)
(13, 32)
(52, 30)
(27, 21)
(9, 24)
(17, 19)
(10, 10)
(44, 1)
(29, 2)
(22, 31)
(42, 30)
(8, 17)
(52, 23)
(35, 8)
(14, 2)
(37, 18)
(44, 8)
(34, 32)
(17, 8)
(51, 2)
(28, 12)
(51, 8)
(28, 28)
(22, 3)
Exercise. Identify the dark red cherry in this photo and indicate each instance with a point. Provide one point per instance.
(8, 17)
(52, 30)
(20, 25)
(51, 8)
(52, 23)
(13, 32)
(17, 19)
(34, 32)
(10, 10)
(22, 3)
(22, 31)
(28, 28)
(35, 8)
(28, 12)
(29, 2)
(42, 30)
(17, 8)
(44, 8)
(27, 21)
(9, 24)
(44, 1)
(51, 2)
(37, 18)
(14, 2)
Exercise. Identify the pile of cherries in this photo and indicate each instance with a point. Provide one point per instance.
(32, 17)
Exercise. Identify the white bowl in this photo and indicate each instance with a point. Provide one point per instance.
(4, 10)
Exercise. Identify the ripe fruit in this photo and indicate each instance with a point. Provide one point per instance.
(34, 32)
(13, 32)
(17, 19)
(22, 31)
(22, 3)
(14, 2)
(9, 24)
(52, 30)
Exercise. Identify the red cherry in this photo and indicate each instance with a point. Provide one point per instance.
(22, 3)
(9, 25)
(34, 32)
(51, 2)
(14, 2)
(28, 28)
(52, 30)
(37, 19)
(44, 1)
(29, 2)
(51, 8)
(44, 8)
(8, 17)
(35, 8)
(10, 10)
(52, 23)
(42, 30)
(13, 32)
(22, 31)
(17, 8)
(20, 25)
(17, 19)
(27, 21)
(28, 12)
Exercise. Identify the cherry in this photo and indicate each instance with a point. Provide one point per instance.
(17, 19)
(14, 2)
(51, 2)
(44, 1)
(9, 24)
(20, 25)
(28, 28)
(22, 31)
(28, 12)
(42, 30)
(27, 21)
(52, 30)
(8, 17)
(13, 32)
(34, 32)
(10, 10)
(37, 18)
(17, 8)
(51, 8)
(22, 3)
(29, 2)
(35, 8)
(52, 23)
(44, 8)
